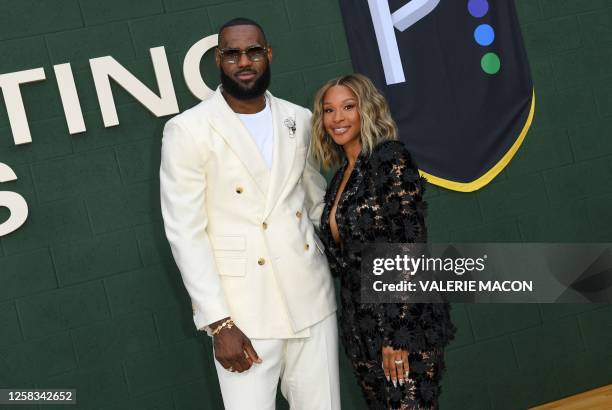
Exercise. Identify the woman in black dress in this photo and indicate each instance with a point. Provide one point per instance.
(376, 195)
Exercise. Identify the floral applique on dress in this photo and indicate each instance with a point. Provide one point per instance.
(383, 202)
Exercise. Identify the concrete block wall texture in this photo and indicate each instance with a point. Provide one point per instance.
(90, 297)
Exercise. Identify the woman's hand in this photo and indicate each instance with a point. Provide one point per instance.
(395, 364)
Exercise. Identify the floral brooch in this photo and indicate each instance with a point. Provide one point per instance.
(290, 123)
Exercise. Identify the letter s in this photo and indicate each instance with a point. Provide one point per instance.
(13, 201)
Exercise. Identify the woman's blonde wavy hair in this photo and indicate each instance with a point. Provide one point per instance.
(376, 122)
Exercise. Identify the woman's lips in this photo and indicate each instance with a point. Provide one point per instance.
(340, 130)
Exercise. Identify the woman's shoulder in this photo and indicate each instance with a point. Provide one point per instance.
(391, 151)
(390, 160)
(389, 145)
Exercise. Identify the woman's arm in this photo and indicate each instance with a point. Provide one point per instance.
(399, 191)
(401, 208)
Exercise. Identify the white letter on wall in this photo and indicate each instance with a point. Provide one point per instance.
(70, 98)
(9, 83)
(412, 12)
(104, 67)
(13, 201)
(384, 23)
(191, 66)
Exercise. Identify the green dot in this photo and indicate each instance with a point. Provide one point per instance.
(490, 63)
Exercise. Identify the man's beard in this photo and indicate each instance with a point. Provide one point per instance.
(237, 90)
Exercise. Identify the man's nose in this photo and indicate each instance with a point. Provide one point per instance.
(243, 60)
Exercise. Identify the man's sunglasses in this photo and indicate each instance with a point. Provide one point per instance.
(232, 55)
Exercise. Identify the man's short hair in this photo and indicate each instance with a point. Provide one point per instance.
(242, 21)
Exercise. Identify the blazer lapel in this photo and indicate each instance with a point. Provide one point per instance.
(227, 123)
(285, 143)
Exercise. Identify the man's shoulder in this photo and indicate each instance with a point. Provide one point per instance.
(292, 106)
(194, 114)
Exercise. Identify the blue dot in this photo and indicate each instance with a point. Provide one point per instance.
(484, 35)
(478, 8)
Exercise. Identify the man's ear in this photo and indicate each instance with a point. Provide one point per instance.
(269, 52)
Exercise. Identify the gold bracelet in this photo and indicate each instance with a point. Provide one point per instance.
(228, 323)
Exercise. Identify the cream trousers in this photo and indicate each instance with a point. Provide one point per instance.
(306, 367)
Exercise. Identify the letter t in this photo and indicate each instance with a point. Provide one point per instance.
(9, 83)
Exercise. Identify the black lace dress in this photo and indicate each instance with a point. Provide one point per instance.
(383, 202)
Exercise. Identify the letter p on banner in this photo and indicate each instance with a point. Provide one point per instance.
(457, 79)
(384, 23)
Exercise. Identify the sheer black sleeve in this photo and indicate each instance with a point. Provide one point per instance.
(401, 211)
(399, 192)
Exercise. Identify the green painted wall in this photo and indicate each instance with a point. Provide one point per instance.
(89, 294)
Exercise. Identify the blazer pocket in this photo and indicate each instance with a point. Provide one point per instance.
(231, 266)
(230, 254)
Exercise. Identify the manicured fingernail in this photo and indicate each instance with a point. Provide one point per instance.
(401, 382)
(406, 374)
(388, 379)
(394, 383)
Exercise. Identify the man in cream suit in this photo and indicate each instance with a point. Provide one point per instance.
(240, 198)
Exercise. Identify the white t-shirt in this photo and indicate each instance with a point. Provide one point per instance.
(261, 129)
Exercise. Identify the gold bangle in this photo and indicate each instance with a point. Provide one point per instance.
(228, 323)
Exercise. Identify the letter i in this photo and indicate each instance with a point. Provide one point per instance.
(70, 98)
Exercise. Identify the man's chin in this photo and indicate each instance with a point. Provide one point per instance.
(246, 90)
(246, 85)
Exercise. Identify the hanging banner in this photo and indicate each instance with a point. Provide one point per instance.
(456, 76)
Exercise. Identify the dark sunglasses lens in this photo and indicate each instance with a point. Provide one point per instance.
(231, 55)
(256, 53)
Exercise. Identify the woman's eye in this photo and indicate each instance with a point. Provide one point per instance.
(349, 107)
(327, 110)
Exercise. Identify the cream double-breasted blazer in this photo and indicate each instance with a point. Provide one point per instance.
(243, 235)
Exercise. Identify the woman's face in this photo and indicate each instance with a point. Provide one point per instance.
(340, 116)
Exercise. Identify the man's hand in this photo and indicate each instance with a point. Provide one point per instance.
(395, 365)
(233, 349)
